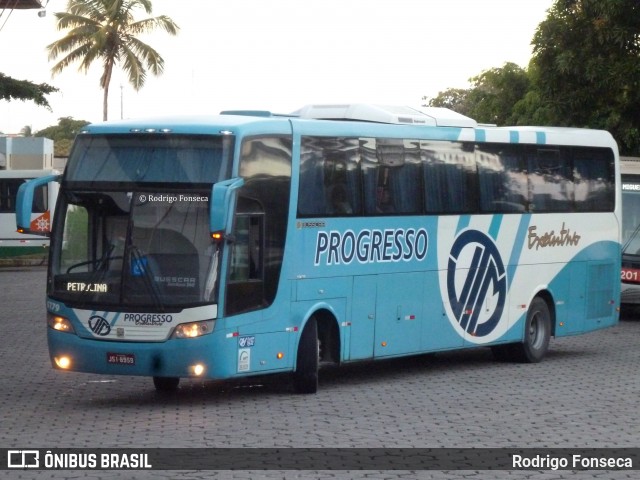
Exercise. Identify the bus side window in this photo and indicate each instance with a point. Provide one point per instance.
(450, 177)
(329, 177)
(550, 189)
(594, 180)
(502, 179)
(8, 192)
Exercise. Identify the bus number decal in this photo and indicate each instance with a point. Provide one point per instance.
(245, 342)
(475, 275)
(630, 275)
(371, 246)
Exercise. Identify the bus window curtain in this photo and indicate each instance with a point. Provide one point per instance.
(353, 187)
(370, 186)
(491, 182)
(311, 196)
(435, 186)
(405, 188)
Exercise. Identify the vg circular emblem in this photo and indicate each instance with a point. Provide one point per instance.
(99, 325)
(476, 283)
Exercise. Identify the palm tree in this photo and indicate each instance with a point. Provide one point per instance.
(105, 30)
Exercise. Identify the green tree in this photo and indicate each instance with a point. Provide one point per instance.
(12, 89)
(455, 99)
(496, 92)
(106, 31)
(587, 67)
(492, 98)
(62, 134)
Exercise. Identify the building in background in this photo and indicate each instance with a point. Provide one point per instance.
(26, 153)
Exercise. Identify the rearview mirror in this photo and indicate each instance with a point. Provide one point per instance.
(24, 205)
(221, 204)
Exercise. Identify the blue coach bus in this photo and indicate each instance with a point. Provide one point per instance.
(251, 243)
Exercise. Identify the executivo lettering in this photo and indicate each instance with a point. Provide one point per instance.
(563, 238)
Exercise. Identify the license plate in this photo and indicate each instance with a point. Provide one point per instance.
(121, 358)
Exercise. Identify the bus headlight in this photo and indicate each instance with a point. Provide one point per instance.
(61, 324)
(193, 329)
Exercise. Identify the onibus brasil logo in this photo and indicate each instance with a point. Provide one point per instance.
(476, 284)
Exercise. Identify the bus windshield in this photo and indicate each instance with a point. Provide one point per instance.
(134, 221)
(135, 249)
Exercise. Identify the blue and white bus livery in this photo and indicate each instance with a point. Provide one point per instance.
(250, 243)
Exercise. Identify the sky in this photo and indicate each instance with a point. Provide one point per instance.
(276, 55)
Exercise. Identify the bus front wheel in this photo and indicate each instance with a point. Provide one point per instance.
(305, 378)
(166, 384)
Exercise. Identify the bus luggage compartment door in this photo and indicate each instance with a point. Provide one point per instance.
(363, 317)
(398, 314)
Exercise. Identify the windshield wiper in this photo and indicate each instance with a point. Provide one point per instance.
(101, 263)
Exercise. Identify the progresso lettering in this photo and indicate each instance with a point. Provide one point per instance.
(370, 246)
(148, 318)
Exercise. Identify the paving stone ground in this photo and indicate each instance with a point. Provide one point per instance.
(585, 394)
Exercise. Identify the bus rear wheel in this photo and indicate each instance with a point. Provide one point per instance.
(305, 378)
(537, 332)
(166, 384)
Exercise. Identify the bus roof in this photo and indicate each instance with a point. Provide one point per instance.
(400, 115)
(432, 116)
(248, 122)
(194, 124)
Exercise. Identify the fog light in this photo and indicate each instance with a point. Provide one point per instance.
(197, 369)
(63, 362)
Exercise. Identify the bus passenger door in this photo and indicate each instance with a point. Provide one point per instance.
(363, 317)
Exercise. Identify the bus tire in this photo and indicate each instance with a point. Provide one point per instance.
(305, 378)
(166, 384)
(537, 332)
(536, 337)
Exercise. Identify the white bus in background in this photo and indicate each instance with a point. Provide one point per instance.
(17, 248)
(630, 296)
